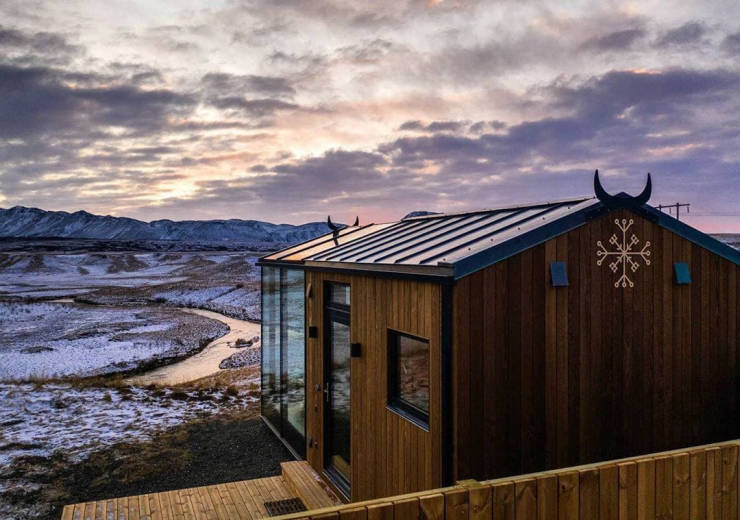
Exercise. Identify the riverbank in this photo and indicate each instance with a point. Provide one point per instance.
(207, 361)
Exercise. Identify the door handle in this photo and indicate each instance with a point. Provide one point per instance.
(327, 386)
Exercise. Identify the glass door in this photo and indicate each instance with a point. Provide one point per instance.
(337, 425)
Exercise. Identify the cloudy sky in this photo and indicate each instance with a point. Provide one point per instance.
(286, 110)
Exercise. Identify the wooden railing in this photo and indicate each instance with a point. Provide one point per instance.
(698, 483)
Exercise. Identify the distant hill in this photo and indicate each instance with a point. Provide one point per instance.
(22, 222)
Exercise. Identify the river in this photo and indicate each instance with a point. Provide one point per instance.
(205, 362)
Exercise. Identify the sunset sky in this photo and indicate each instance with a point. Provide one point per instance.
(287, 110)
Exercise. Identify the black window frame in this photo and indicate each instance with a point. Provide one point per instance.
(395, 402)
(340, 313)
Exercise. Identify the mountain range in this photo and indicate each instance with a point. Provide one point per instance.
(23, 222)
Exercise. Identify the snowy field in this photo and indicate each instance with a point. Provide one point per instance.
(222, 282)
(87, 418)
(119, 312)
(48, 425)
(52, 340)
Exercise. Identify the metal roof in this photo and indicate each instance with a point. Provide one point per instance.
(430, 244)
(458, 244)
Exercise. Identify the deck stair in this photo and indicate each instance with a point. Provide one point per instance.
(307, 485)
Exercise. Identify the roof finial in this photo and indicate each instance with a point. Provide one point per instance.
(622, 199)
(331, 224)
(334, 229)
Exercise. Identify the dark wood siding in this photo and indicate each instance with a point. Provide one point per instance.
(390, 455)
(550, 377)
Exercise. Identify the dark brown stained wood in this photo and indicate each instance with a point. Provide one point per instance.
(406, 508)
(358, 513)
(390, 455)
(547, 497)
(456, 504)
(608, 493)
(525, 498)
(380, 512)
(432, 507)
(645, 489)
(547, 377)
(568, 495)
(730, 482)
(627, 491)
(698, 483)
(714, 484)
(589, 494)
(480, 502)
(326, 516)
(503, 501)
(663, 488)
(681, 497)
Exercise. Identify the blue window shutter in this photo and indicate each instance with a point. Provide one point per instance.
(683, 275)
(558, 274)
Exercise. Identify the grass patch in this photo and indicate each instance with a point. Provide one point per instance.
(199, 453)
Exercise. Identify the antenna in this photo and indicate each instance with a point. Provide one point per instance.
(677, 207)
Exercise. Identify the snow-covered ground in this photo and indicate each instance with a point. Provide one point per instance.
(43, 426)
(50, 340)
(126, 314)
(227, 283)
(23, 272)
(40, 419)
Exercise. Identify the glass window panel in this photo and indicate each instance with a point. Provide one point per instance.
(408, 383)
(271, 345)
(339, 406)
(413, 371)
(339, 294)
(294, 351)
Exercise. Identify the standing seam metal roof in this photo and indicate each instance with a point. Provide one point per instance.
(444, 239)
(444, 245)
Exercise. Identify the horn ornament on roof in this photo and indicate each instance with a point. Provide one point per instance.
(331, 224)
(334, 229)
(622, 199)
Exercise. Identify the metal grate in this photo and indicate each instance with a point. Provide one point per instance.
(284, 507)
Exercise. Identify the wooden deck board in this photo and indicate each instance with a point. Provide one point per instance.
(233, 500)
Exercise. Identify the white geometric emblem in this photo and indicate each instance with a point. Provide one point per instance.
(624, 255)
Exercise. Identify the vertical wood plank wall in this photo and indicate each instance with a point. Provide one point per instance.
(698, 483)
(390, 455)
(551, 377)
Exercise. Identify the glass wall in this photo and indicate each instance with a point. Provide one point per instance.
(271, 344)
(293, 317)
(284, 353)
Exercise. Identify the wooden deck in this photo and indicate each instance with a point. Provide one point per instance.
(234, 500)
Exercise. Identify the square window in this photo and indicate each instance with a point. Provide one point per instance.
(408, 376)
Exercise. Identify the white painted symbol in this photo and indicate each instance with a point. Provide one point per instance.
(625, 255)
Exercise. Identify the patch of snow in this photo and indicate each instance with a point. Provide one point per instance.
(92, 340)
(40, 419)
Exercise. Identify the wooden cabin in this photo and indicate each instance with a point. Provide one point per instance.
(405, 356)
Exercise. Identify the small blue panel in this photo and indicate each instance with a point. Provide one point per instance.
(558, 274)
(683, 275)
